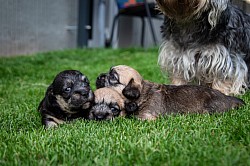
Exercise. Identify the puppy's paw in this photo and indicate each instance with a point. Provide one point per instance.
(50, 121)
(50, 125)
(131, 107)
(100, 81)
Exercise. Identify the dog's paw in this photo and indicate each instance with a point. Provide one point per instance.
(51, 125)
(100, 81)
(131, 107)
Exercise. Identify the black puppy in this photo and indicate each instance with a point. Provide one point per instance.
(67, 98)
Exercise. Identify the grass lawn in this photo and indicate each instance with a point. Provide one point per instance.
(219, 139)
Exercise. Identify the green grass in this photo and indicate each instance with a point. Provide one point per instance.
(219, 139)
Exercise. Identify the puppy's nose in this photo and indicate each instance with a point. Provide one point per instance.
(100, 116)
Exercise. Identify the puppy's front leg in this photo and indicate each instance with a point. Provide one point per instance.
(146, 115)
(51, 122)
(131, 107)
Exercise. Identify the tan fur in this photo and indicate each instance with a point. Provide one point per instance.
(104, 98)
(108, 95)
(223, 87)
(178, 81)
(55, 122)
(126, 73)
(64, 106)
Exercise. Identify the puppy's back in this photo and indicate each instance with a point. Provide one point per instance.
(199, 99)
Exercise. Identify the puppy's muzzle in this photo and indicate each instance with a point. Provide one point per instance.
(100, 116)
(100, 112)
(82, 97)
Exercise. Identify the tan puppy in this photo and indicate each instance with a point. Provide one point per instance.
(149, 100)
(108, 104)
(118, 78)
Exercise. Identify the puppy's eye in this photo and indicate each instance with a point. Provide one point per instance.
(114, 110)
(68, 89)
(113, 78)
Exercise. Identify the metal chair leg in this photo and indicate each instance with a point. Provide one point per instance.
(108, 42)
(150, 21)
(143, 31)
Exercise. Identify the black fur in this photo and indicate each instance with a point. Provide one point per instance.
(78, 99)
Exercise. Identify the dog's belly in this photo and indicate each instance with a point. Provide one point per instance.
(210, 64)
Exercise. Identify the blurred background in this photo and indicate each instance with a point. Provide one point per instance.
(31, 26)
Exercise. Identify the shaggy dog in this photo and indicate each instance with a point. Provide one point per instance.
(148, 100)
(67, 98)
(207, 42)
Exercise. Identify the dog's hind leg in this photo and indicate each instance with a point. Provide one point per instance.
(178, 81)
(224, 87)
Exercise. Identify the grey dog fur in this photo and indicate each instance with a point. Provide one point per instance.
(209, 44)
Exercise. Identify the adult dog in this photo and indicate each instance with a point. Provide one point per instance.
(207, 42)
(148, 100)
(67, 98)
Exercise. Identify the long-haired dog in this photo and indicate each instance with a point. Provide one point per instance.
(207, 42)
(148, 100)
(68, 97)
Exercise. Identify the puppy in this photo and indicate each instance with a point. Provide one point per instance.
(118, 78)
(148, 100)
(108, 104)
(67, 98)
(207, 42)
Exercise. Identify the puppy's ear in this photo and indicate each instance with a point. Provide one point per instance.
(50, 99)
(132, 90)
(49, 91)
(46, 100)
(43, 107)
